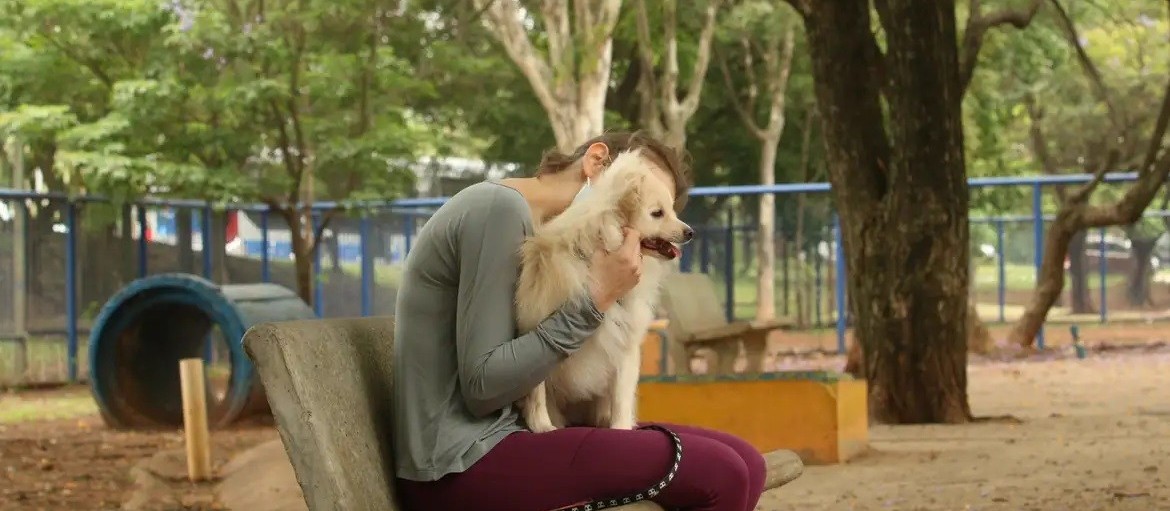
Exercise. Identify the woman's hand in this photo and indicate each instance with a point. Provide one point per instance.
(616, 273)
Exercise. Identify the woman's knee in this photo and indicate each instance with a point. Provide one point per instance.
(712, 475)
(753, 460)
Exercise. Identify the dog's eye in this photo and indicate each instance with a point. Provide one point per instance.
(657, 213)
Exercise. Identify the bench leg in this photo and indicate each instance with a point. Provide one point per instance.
(755, 346)
(726, 352)
(680, 358)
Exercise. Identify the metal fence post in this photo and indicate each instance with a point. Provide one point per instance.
(1038, 234)
(1001, 262)
(1103, 267)
(143, 262)
(71, 288)
(265, 269)
(318, 293)
(205, 237)
(842, 304)
(367, 264)
(729, 266)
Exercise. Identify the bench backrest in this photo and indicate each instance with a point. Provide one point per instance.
(692, 303)
(329, 385)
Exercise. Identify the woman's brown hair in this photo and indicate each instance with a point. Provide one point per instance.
(673, 161)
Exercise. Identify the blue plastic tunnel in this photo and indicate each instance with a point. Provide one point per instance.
(145, 329)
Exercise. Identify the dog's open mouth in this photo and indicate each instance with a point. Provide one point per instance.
(661, 247)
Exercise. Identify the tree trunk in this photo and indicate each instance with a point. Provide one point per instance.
(333, 243)
(1078, 272)
(218, 247)
(571, 78)
(1137, 291)
(903, 198)
(978, 341)
(1050, 282)
(765, 240)
(302, 255)
(184, 232)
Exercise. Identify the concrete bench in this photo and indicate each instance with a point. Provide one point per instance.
(696, 320)
(329, 386)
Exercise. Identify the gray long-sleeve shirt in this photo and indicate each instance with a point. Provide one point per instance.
(459, 364)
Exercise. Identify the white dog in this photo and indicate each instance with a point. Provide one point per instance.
(597, 385)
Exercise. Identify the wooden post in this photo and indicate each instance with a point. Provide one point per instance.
(194, 389)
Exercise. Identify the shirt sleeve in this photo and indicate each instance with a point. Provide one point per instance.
(496, 368)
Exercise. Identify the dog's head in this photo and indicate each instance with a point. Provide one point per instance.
(644, 197)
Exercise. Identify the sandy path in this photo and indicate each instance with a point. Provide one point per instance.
(1095, 435)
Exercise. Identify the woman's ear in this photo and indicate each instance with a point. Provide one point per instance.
(596, 158)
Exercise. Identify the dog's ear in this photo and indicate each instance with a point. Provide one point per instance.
(630, 197)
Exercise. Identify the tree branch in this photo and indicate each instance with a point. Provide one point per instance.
(558, 32)
(88, 64)
(669, 85)
(978, 24)
(781, 69)
(1090, 68)
(650, 113)
(326, 218)
(286, 156)
(803, 7)
(744, 114)
(1150, 179)
(502, 19)
(1076, 214)
(690, 102)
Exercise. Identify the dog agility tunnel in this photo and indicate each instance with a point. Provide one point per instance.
(147, 327)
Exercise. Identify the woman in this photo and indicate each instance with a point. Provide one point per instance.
(459, 442)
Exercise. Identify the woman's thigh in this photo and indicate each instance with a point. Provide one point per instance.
(543, 472)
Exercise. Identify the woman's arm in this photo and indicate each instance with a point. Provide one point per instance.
(496, 368)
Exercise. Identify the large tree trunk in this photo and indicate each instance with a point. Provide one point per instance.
(1078, 272)
(978, 342)
(902, 198)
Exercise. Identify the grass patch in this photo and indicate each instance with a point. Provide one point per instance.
(29, 406)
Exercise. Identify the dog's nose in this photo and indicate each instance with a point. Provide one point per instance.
(688, 234)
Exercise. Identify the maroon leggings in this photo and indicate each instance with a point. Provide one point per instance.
(548, 471)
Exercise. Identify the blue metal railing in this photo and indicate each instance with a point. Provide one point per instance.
(413, 208)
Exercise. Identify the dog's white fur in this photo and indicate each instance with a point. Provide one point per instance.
(597, 385)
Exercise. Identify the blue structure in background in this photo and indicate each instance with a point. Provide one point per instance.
(411, 210)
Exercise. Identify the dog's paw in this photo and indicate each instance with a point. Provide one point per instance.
(539, 422)
(627, 425)
(542, 426)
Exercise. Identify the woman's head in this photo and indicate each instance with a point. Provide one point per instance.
(595, 154)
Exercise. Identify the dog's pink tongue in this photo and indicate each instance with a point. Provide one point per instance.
(674, 251)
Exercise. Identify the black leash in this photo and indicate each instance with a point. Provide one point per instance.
(646, 494)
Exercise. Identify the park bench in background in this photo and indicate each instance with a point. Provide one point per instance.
(329, 386)
(696, 320)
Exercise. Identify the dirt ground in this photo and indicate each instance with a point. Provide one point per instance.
(1092, 434)
(77, 464)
